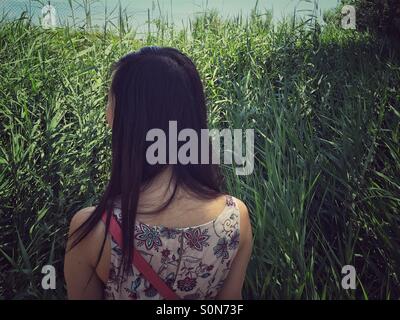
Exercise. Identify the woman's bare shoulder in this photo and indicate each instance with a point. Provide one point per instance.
(241, 206)
(77, 221)
(80, 217)
(245, 222)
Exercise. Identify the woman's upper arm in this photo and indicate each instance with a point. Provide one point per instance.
(233, 284)
(78, 263)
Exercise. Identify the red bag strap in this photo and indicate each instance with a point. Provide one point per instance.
(140, 263)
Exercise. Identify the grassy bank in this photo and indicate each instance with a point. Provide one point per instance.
(325, 191)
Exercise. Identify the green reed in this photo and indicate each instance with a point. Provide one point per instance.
(325, 191)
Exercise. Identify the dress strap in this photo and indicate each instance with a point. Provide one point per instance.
(140, 263)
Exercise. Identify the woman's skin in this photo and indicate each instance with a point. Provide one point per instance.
(84, 281)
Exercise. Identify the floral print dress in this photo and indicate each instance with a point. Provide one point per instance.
(193, 261)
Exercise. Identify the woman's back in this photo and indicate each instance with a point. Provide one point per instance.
(194, 260)
(171, 207)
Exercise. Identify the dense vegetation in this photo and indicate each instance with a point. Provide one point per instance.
(324, 104)
(379, 17)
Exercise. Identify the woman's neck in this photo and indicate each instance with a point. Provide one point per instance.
(157, 191)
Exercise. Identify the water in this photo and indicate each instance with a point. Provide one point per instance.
(177, 12)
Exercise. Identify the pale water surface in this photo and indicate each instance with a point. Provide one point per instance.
(177, 12)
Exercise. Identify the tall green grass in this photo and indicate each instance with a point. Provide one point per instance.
(325, 191)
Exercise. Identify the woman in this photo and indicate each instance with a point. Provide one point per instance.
(196, 240)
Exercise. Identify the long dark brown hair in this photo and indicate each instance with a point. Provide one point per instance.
(149, 88)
